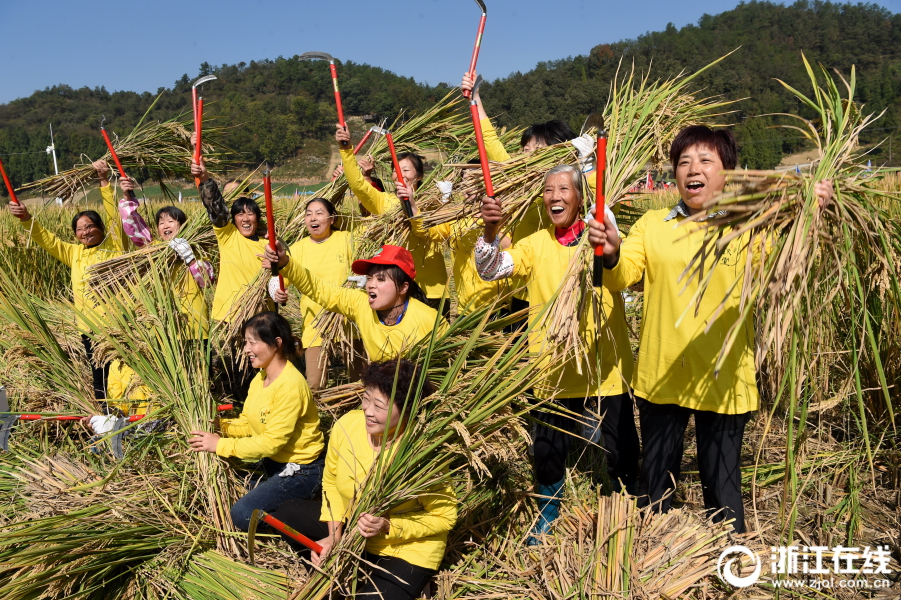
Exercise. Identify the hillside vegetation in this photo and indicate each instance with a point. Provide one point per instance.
(275, 107)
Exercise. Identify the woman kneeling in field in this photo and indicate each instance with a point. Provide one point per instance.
(407, 543)
(278, 426)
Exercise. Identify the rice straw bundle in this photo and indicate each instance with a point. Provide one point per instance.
(163, 149)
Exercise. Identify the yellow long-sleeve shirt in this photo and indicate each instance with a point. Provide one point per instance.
(117, 384)
(472, 291)
(280, 422)
(675, 364)
(239, 265)
(79, 257)
(419, 527)
(382, 342)
(431, 272)
(542, 260)
(329, 261)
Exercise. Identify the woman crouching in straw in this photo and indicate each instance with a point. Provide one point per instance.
(390, 312)
(406, 544)
(278, 426)
(674, 377)
(543, 260)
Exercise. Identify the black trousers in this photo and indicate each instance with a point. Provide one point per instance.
(516, 305)
(99, 375)
(719, 440)
(399, 580)
(618, 433)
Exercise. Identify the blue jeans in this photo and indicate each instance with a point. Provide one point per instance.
(268, 495)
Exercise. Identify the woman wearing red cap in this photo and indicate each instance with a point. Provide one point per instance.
(390, 311)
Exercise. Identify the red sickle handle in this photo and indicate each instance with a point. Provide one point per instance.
(270, 224)
(291, 533)
(363, 141)
(599, 207)
(223, 407)
(475, 52)
(334, 71)
(220, 408)
(198, 129)
(483, 155)
(115, 156)
(400, 176)
(9, 186)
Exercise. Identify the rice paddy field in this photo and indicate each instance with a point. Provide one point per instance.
(821, 462)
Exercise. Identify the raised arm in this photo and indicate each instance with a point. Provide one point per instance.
(58, 249)
(133, 224)
(210, 195)
(493, 146)
(372, 200)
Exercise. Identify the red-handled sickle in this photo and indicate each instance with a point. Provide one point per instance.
(131, 419)
(260, 515)
(112, 151)
(198, 118)
(270, 225)
(480, 141)
(9, 185)
(408, 208)
(600, 202)
(478, 46)
(365, 139)
(334, 71)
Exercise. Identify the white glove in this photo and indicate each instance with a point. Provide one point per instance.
(585, 144)
(274, 286)
(289, 470)
(183, 249)
(446, 188)
(360, 280)
(608, 216)
(103, 424)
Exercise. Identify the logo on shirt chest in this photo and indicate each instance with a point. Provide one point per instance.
(264, 413)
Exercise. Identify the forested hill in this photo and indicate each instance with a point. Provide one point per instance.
(279, 104)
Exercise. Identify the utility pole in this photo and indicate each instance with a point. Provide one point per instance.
(51, 149)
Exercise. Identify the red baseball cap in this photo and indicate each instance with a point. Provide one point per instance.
(387, 255)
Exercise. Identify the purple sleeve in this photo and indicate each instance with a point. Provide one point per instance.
(133, 223)
(202, 272)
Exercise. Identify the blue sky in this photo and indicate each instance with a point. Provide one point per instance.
(141, 46)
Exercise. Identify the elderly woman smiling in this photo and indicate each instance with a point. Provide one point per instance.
(542, 259)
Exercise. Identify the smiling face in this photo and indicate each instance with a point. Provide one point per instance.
(376, 407)
(411, 177)
(167, 227)
(318, 221)
(561, 200)
(246, 222)
(87, 232)
(699, 175)
(383, 292)
(258, 352)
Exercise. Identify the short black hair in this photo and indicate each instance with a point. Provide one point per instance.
(267, 326)
(550, 133)
(720, 140)
(398, 380)
(243, 188)
(397, 275)
(93, 216)
(173, 212)
(243, 205)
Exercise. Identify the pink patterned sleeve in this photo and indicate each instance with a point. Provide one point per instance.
(202, 272)
(133, 223)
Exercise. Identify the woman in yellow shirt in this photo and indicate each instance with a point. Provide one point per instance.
(543, 260)
(407, 543)
(190, 282)
(390, 312)
(95, 245)
(674, 376)
(326, 253)
(240, 247)
(278, 426)
(431, 272)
